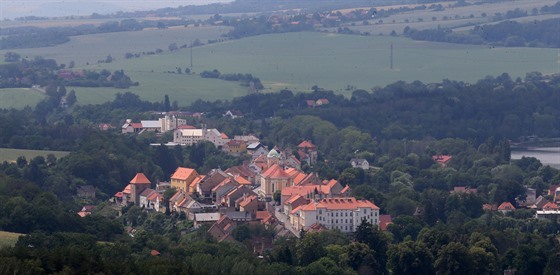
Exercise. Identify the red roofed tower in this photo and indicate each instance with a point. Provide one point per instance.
(138, 184)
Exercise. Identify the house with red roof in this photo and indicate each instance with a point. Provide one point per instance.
(442, 160)
(294, 202)
(222, 229)
(182, 178)
(222, 189)
(307, 152)
(235, 147)
(232, 196)
(211, 180)
(250, 205)
(506, 207)
(550, 206)
(344, 214)
(131, 193)
(384, 221)
(550, 211)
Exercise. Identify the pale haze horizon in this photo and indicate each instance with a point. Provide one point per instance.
(10, 9)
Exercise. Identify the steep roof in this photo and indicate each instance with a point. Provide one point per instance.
(442, 158)
(247, 200)
(506, 206)
(384, 221)
(275, 172)
(550, 206)
(307, 144)
(182, 173)
(140, 178)
(241, 180)
(147, 192)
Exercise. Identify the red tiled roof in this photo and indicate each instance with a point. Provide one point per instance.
(186, 127)
(550, 206)
(119, 194)
(344, 204)
(247, 200)
(317, 227)
(442, 158)
(263, 215)
(310, 103)
(298, 179)
(306, 144)
(136, 125)
(506, 206)
(83, 214)
(292, 199)
(140, 178)
(127, 189)
(154, 253)
(332, 183)
(276, 172)
(182, 173)
(224, 136)
(301, 190)
(241, 180)
(384, 221)
(345, 189)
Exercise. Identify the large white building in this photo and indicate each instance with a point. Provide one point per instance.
(162, 125)
(192, 136)
(344, 214)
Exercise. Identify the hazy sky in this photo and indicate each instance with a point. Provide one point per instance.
(17, 8)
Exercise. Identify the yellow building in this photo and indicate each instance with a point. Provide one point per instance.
(182, 178)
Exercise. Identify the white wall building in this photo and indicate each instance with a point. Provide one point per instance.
(192, 136)
(344, 214)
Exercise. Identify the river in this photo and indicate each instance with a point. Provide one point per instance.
(547, 155)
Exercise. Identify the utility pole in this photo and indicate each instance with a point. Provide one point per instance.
(391, 57)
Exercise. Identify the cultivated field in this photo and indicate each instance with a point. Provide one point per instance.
(7, 154)
(19, 98)
(456, 16)
(301, 60)
(155, 85)
(8, 239)
(91, 48)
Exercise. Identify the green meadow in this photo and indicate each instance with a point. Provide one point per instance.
(8, 239)
(19, 98)
(91, 48)
(8, 154)
(300, 60)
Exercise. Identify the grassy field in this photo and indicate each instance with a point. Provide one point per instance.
(155, 85)
(91, 48)
(301, 60)
(19, 98)
(457, 16)
(8, 238)
(7, 154)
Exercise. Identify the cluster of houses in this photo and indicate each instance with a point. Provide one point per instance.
(545, 209)
(242, 194)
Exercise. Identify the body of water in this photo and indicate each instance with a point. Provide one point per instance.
(547, 155)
